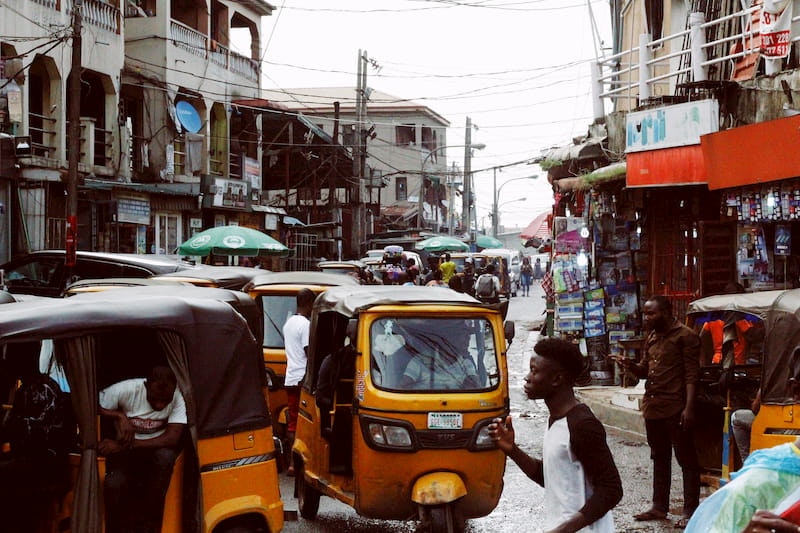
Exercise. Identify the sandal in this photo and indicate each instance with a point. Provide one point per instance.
(681, 522)
(649, 515)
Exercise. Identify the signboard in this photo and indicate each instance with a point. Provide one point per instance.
(133, 209)
(670, 126)
(226, 193)
(776, 22)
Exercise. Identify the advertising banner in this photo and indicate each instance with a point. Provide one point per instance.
(776, 21)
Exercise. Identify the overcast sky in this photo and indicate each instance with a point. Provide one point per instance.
(519, 69)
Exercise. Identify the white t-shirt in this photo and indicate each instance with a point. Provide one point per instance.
(295, 340)
(130, 397)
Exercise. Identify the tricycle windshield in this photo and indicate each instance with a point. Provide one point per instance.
(433, 354)
(277, 310)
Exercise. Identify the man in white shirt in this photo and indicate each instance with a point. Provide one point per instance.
(295, 339)
(581, 480)
(149, 416)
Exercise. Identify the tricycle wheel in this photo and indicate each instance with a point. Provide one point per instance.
(307, 496)
(442, 519)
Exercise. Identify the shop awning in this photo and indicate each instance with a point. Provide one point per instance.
(597, 178)
(682, 165)
(752, 154)
(539, 227)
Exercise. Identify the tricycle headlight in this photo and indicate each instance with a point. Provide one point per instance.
(483, 440)
(388, 435)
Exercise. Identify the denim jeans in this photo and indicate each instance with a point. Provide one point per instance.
(135, 487)
(741, 424)
(664, 435)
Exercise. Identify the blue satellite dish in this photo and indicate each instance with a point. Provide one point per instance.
(188, 116)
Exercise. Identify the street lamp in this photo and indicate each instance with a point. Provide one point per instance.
(420, 209)
(497, 195)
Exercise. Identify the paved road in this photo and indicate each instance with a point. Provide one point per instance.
(520, 507)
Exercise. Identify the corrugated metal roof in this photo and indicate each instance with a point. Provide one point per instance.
(319, 100)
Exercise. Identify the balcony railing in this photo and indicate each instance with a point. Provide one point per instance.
(97, 13)
(196, 43)
(708, 50)
(52, 4)
(188, 39)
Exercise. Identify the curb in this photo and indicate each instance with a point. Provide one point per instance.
(598, 399)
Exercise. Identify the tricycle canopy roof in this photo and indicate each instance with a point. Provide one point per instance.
(781, 363)
(223, 358)
(226, 277)
(327, 279)
(350, 301)
(754, 303)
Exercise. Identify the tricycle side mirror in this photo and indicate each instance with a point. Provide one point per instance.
(509, 330)
(352, 330)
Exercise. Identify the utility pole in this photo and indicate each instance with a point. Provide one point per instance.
(466, 208)
(74, 136)
(355, 189)
(494, 202)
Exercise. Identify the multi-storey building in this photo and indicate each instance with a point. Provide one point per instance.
(175, 136)
(405, 144)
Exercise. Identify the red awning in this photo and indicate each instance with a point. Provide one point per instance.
(539, 228)
(752, 154)
(683, 165)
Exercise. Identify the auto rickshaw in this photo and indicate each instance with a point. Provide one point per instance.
(225, 478)
(276, 294)
(400, 388)
(221, 277)
(778, 419)
(104, 284)
(732, 329)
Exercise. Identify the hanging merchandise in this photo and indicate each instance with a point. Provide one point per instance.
(753, 259)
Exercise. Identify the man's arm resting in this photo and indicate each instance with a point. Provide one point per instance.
(169, 439)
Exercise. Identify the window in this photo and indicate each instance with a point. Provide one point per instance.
(429, 140)
(433, 354)
(405, 135)
(277, 310)
(401, 188)
(168, 233)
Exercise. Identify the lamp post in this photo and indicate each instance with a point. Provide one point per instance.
(420, 208)
(497, 190)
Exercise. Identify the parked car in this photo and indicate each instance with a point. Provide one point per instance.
(43, 273)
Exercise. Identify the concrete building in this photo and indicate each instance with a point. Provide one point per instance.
(405, 141)
(175, 135)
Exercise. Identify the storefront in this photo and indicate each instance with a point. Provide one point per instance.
(760, 196)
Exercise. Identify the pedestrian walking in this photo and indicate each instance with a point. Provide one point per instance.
(581, 481)
(487, 286)
(538, 273)
(525, 274)
(295, 334)
(671, 364)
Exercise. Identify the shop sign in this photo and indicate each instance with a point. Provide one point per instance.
(671, 126)
(227, 194)
(271, 221)
(252, 173)
(133, 209)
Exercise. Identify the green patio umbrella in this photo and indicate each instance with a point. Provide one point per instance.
(487, 241)
(232, 240)
(442, 244)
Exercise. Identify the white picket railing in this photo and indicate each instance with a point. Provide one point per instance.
(188, 38)
(661, 67)
(96, 13)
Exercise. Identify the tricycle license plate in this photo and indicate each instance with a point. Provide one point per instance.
(445, 421)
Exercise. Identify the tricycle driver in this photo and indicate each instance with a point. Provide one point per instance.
(149, 415)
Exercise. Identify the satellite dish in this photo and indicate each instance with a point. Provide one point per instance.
(188, 116)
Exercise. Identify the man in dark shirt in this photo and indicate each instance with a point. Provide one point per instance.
(577, 469)
(671, 364)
